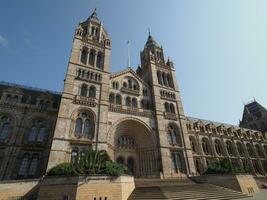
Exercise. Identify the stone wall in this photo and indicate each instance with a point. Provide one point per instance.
(79, 188)
(17, 189)
(243, 183)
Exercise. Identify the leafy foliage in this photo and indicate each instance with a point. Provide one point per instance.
(115, 169)
(92, 162)
(225, 167)
(61, 169)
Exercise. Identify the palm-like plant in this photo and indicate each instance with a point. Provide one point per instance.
(91, 162)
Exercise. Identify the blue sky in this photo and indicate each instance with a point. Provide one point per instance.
(219, 48)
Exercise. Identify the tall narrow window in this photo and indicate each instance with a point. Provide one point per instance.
(128, 101)
(4, 130)
(78, 126)
(111, 98)
(87, 128)
(92, 91)
(32, 134)
(41, 134)
(118, 99)
(98, 61)
(33, 165)
(169, 80)
(172, 109)
(24, 166)
(134, 103)
(92, 58)
(84, 56)
(164, 79)
(84, 90)
(177, 162)
(218, 147)
(167, 107)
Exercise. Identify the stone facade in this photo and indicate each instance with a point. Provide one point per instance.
(136, 116)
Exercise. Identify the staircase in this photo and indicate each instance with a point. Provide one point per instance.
(181, 189)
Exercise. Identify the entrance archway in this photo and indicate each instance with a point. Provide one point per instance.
(133, 144)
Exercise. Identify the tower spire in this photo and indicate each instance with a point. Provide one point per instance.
(129, 56)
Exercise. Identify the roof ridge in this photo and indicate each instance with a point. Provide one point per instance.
(28, 87)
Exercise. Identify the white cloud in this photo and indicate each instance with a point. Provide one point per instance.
(3, 41)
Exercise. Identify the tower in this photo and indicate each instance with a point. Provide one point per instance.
(173, 140)
(82, 117)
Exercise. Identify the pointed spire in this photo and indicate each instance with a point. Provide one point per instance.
(150, 40)
(129, 56)
(94, 16)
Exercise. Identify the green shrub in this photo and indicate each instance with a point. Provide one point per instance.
(115, 169)
(223, 167)
(92, 162)
(61, 169)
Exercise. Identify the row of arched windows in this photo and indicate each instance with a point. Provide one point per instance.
(125, 141)
(115, 99)
(85, 74)
(221, 130)
(29, 165)
(87, 91)
(95, 59)
(169, 107)
(165, 79)
(130, 83)
(230, 148)
(131, 102)
(11, 99)
(167, 94)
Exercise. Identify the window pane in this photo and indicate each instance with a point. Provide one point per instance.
(24, 166)
(32, 134)
(78, 126)
(33, 166)
(4, 131)
(41, 135)
(87, 127)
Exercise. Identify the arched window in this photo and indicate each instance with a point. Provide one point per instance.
(92, 91)
(84, 125)
(41, 134)
(177, 162)
(92, 58)
(113, 85)
(240, 149)
(169, 80)
(4, 130)
(193, 143)
(164, 79)
(134, 103)
(78, 126)
(128, 101)
(98, 61)
(130, 83)
(33, 165)
(84, 90)
(87, 128)
(218, 147)
(117, 85)
(174, 136)
(167, 107)
(259, 150)
(118, 99)
(229, 148)
(111, 98)
(84, 56)
(172, 109)
(250, 149)
(33, 134)
(24, 166)
(206, 146)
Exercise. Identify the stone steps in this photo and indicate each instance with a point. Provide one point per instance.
(179, 192)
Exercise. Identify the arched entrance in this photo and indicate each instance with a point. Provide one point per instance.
(134, 146)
